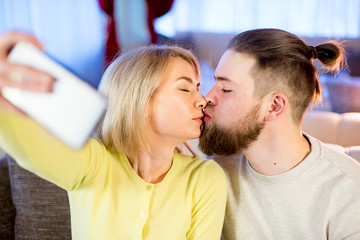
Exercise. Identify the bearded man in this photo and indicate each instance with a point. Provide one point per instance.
(283, 183)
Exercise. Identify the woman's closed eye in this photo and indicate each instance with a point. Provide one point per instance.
(226, 90)
(184, 90)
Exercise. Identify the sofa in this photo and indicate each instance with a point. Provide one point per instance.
(32, 208)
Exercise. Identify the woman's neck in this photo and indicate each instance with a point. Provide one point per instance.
(152, 165)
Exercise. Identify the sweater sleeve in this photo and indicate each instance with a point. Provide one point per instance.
(39, 152)
(210, 201)
(348, 223)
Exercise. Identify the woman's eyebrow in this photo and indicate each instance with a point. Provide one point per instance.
(188, 80)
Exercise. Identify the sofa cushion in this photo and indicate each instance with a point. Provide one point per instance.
(329, 127)
(349, 129)
(7, 209)
(322, 125)
(42, 208)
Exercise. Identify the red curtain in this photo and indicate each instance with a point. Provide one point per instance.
(112, 47)
(156, 8)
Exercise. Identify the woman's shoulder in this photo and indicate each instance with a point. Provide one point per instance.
(96, 147)
(205, 176)
(95, 142)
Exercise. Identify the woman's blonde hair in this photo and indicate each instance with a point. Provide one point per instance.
(129, 84)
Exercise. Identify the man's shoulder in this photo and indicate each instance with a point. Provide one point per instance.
(231, 164)
(345, 165)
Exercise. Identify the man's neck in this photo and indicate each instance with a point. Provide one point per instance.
(278, 150)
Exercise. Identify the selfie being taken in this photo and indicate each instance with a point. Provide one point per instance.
(163, 120)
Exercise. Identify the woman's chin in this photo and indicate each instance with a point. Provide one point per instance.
(197, 135)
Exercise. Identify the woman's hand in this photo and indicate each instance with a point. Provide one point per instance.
(19, 76)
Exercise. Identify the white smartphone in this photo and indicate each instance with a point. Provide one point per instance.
(70, 112)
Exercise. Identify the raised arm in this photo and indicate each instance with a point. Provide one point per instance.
(32, 146)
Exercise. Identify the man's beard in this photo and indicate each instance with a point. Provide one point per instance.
(222, 141)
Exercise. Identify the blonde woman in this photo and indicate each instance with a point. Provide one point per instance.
(129, 183)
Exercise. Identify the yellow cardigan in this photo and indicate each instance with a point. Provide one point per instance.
(109, 200)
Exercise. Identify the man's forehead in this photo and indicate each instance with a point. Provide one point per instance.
(233, 65)
(231, 57)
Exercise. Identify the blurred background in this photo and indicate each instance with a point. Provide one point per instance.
(311, 18)
(84, 35)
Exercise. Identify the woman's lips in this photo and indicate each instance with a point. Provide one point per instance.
(198, 120)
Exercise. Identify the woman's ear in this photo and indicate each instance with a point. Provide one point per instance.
(278, 104)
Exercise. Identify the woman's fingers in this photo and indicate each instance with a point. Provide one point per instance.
(20, 76)
(8, 40)
(23, 77)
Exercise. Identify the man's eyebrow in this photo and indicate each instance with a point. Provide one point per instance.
(222, 79)
(188, 80)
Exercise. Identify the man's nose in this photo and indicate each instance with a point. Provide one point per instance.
(210, 97)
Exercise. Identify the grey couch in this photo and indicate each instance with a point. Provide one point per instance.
(30, 207)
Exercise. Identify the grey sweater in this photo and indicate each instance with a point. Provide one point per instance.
(318, 199)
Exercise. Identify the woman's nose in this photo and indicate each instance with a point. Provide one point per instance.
(201, 103)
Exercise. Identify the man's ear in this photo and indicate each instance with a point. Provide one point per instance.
(278, 104)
